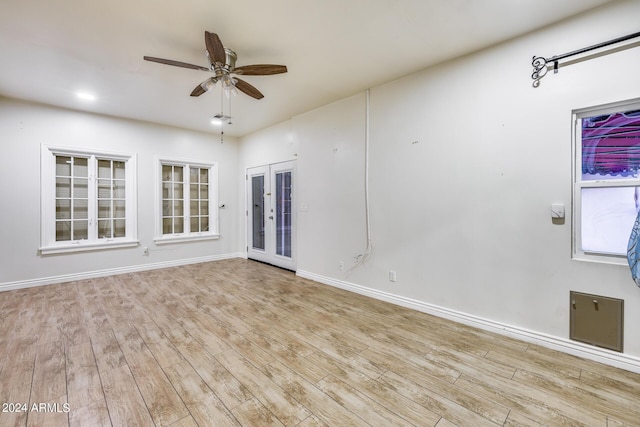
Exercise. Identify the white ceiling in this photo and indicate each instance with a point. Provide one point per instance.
(332, 48)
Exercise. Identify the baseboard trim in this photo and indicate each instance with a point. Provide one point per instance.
(608, 357)
(21, 284)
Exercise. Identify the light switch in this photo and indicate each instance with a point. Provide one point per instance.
(557, 210)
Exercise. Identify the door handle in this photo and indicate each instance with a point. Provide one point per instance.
(270, 216)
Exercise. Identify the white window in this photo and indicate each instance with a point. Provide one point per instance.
(88, 200)
(188, 201)
(606, 180)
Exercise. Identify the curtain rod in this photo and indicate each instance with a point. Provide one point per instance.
(539, 63)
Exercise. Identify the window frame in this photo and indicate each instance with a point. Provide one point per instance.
(187, 236)
(578, 183)
(48, 243)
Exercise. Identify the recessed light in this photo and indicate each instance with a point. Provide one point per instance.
(86, 96)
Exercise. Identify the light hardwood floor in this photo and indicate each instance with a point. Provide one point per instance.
(237, 342)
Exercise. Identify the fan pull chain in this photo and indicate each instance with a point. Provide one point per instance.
(222, 114)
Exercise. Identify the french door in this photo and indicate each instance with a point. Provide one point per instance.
(270, 214)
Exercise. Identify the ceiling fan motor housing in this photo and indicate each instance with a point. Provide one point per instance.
(230, 60)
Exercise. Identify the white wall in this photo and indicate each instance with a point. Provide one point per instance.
(466, 159)
(25, 126)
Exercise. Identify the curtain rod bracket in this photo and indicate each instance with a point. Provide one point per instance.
(539, 63)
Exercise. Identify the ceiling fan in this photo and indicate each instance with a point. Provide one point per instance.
(222, 62)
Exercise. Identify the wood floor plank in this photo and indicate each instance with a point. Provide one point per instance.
(94, 414)
(359, 403)
(223, 383)
(84, 387)
(319, 403)
(204, 406)
(517, 420)
(107, 351)
(49, 375)
(433, 401)
(380, 392)
(275, 399)
(50, 413)
(621, 394)
(532, 403)
(254, 413)
(19, 366)
(530, 362)
(124, 401)
(596, 405)
(185, 422)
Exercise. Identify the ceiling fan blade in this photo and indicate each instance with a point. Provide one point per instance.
(214, 47)
(204, 86)
(175, 63)
(260, 69)
(245, 87)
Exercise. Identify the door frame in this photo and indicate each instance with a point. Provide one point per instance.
(268, 255)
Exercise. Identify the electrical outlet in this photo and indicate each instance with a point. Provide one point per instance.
(340, 265)
(392, 276)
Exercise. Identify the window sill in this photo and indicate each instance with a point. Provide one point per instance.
(184, 238)
(601, 258)
(87, 247)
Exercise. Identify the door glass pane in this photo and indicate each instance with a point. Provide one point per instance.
(283, 214)
(257, 206)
